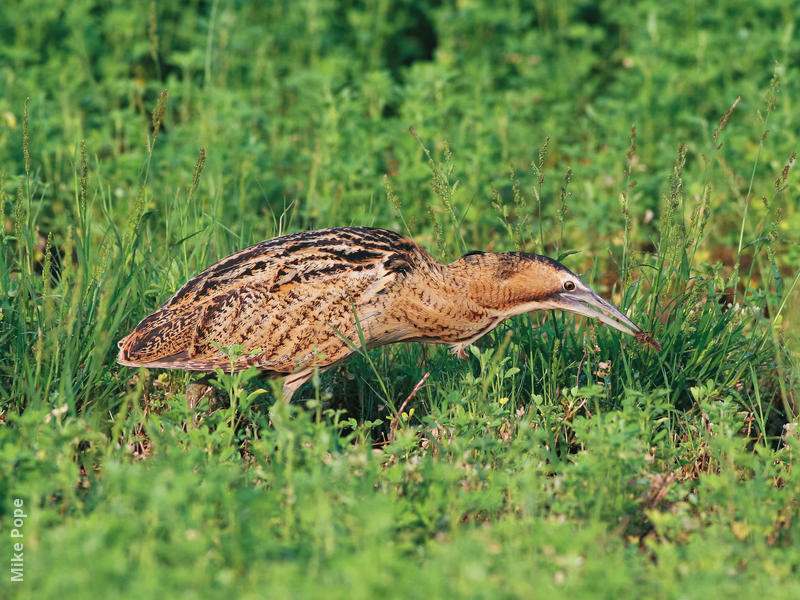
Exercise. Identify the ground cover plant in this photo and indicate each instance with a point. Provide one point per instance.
(649, 147)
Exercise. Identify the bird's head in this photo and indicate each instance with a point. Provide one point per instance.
(514, 283)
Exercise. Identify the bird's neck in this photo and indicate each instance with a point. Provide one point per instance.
(475, 283)
(495, 282)
(437, 303)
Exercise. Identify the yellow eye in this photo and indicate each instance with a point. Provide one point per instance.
(569, 285)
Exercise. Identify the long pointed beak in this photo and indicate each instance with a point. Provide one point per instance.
(589, 304)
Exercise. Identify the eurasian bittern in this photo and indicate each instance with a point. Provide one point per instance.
(297, 302)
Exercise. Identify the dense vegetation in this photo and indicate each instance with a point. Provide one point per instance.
(648, 146)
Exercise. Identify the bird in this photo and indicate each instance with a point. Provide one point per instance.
(305, 301)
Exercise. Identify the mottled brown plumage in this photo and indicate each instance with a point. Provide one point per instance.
(295, 303)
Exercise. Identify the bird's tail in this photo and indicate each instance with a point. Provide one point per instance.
(182, 360)
(164, 343)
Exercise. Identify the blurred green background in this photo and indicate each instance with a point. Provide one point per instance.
(556, 460)
(309, 104)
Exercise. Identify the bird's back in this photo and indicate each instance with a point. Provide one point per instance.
(287, 301)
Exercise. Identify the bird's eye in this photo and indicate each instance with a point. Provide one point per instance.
(569, 285)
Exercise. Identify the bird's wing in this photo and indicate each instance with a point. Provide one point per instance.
(287, 302)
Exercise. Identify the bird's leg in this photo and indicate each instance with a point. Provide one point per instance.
(292, 382)
(458, 350)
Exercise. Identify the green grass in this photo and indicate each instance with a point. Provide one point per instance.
(139, 144)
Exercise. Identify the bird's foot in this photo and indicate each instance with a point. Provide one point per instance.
(195, 392)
